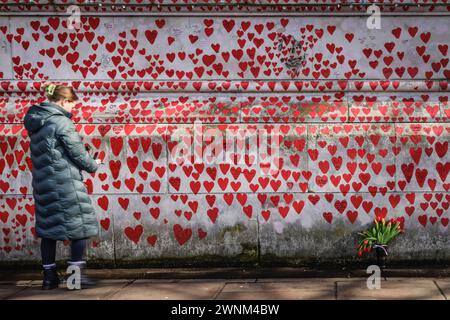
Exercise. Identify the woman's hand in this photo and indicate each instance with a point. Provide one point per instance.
(98, 161)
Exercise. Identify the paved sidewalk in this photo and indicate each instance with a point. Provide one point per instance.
(248, 289)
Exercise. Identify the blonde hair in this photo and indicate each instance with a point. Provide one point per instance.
(56, 92)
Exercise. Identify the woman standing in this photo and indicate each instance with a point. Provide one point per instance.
(63, 207)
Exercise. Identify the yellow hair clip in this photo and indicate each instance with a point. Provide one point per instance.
(50, 89)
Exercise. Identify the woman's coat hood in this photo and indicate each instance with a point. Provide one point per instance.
(38, 115)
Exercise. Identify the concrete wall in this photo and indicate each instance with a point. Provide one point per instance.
(364, 125)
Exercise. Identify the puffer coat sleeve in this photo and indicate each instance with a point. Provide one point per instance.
(72, 143)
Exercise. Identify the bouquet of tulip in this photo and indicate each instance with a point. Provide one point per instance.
(380, 235)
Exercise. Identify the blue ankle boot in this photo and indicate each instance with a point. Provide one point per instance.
(51, 279)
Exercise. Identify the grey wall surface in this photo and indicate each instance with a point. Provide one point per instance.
(362, 115)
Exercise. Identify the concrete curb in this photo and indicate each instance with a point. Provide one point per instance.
(231, 273)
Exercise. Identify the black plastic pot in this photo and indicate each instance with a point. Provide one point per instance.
(381, 251)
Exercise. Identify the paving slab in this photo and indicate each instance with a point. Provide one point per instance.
(220, 280)
(15, 282)
(390, 289)
(278, 295)
(444, 286)
(183, 290)
(9, 288)
(281, 285)
(103, 290)
(305, 289)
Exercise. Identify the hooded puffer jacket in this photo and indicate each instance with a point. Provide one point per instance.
(62, 205)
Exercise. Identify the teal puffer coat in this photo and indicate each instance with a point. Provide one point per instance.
(62, 205)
